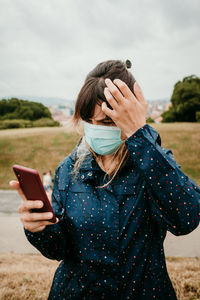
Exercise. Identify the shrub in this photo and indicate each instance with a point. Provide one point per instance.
(150, 120)
(198, 116)
(16, 123)
(168, 116)
(20, 123)
(45, 122)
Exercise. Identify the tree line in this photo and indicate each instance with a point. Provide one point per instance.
(17, 113)
(185, 107)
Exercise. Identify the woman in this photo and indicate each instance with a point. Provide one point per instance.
(115, 196)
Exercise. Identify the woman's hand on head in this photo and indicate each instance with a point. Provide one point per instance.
(129, 110)
(31, 221)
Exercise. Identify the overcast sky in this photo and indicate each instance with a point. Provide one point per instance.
(47, 47)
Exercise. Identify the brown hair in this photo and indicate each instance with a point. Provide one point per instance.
(92, 93)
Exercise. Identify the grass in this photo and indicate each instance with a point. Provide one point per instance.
(184, 141)
(44, 148)
(29, 276)
(25, 276)
(41, 150)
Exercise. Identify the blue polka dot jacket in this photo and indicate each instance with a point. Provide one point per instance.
(110, 240)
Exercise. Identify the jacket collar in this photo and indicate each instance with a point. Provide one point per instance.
(89, 163)
(89, 166)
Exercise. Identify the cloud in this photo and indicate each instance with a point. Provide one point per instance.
(48, 47)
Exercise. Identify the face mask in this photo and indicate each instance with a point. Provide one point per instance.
(104, 140)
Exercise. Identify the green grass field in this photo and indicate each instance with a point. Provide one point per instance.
(44, 148)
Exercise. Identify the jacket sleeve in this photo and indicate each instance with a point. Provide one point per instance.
(174, 197)
(54, 241)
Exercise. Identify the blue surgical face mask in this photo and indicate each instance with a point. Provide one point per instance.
(104, 140)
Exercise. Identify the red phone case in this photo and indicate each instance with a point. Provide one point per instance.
(33, 189)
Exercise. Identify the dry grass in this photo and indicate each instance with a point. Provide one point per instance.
(25, 276)
(184, 273)
(29, 276)
(184, 141)
(38, 149)
(44, 148)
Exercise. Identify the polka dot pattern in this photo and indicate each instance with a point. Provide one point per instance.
(110, 240)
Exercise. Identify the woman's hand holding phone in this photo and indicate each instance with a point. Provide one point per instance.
(32, 221)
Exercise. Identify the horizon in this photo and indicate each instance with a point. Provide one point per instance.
(43, 98)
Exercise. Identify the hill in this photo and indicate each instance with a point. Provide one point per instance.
(44, 148)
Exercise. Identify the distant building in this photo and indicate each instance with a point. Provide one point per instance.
(158, 120)
(61, 113)
(156, 108)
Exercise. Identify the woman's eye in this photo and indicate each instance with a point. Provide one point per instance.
(108, 123)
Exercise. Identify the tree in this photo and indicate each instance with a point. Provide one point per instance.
(185, 101)
(23, 109)
(198, 116)
(150, 120)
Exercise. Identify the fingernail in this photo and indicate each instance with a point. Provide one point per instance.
(40, 204)
(107, 80)
(137, 84)
(49, 215)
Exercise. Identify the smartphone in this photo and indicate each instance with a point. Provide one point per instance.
(32, 187)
